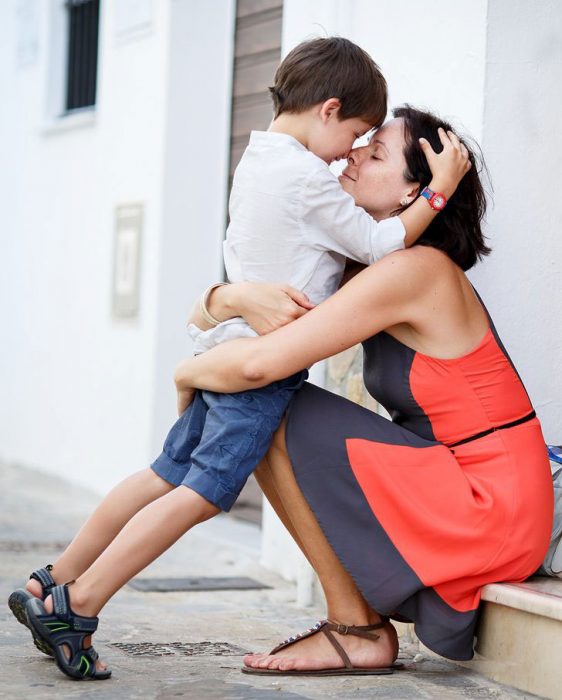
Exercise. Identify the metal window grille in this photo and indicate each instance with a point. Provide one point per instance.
(82, 66)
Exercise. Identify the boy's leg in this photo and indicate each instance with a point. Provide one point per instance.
(143, 539)
(148, 534)
(116, 509)
(232, 435)
(130, 496)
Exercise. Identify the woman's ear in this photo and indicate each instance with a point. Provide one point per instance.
(410, 194)
(330, 109)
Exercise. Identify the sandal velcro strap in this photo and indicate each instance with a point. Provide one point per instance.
(62, 609)
(44, 577)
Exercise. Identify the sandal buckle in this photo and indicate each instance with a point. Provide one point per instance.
(342, 629)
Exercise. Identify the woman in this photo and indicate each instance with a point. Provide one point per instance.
(456, 493)
(424, 558)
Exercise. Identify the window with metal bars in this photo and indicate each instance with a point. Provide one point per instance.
(82, 65)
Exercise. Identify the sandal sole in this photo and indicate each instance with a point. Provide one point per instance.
(323, 672)
(58, 653)
(17, 603)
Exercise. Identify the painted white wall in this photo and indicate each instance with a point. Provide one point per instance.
(88, 396)
(521, 281)
(429, 62)
(78, 381)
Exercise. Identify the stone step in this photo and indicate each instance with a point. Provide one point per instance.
(520, 636)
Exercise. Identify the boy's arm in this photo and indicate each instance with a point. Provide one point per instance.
(344, 228)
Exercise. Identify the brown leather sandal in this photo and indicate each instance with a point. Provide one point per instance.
(327, 627)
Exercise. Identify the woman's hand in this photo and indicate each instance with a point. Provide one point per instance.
(448, 167)
(266, 306)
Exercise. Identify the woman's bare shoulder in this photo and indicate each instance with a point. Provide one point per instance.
(419, 265)
(426, 256)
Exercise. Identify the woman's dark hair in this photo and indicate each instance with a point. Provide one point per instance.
(456, 230)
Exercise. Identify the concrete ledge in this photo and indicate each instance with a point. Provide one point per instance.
(519, 636)
(538, 596)
(519, 648)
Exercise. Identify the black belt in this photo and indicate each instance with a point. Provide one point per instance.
(513, 423)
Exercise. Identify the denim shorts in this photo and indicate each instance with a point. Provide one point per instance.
(220, 439)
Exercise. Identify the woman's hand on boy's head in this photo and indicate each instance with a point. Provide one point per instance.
(448, 167)
(268, 306)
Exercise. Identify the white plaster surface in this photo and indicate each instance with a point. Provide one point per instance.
(86, 395)
(76, 383)
(521, 282)
(438, 64)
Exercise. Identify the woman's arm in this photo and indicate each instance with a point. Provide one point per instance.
(386, 293)
(263, 306)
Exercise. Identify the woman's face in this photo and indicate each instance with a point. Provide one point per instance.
(374, 175)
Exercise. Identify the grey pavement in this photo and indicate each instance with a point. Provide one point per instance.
(182, 644)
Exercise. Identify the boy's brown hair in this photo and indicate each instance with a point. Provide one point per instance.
(319, 69)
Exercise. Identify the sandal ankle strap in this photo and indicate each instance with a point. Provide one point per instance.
(44, 577)
(355, 630)
(62, 609)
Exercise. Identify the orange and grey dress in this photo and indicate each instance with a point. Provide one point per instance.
(453, 494)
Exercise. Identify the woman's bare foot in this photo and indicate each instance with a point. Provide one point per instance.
(100, 666)
(316, 653)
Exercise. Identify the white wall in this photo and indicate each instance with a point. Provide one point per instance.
(76, 382)
(435, 63)
(86, 395)
(522, 280)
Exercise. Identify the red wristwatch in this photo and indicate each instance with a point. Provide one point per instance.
(436, 200)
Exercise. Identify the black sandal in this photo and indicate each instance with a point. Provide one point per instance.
(20, 597)
(63, 629)
(327, 627)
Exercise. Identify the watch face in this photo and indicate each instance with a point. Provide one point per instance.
(438, 202)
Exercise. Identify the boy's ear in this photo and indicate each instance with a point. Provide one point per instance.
(330, 109)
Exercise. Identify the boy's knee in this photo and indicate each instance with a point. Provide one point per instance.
(155, 481)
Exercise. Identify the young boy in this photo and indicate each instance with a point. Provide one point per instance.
(290, 222)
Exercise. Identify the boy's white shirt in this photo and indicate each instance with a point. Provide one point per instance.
(291, 222)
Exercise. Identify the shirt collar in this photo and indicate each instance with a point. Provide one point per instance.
(272, 138)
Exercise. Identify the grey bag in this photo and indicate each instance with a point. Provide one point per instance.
(552, 564)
